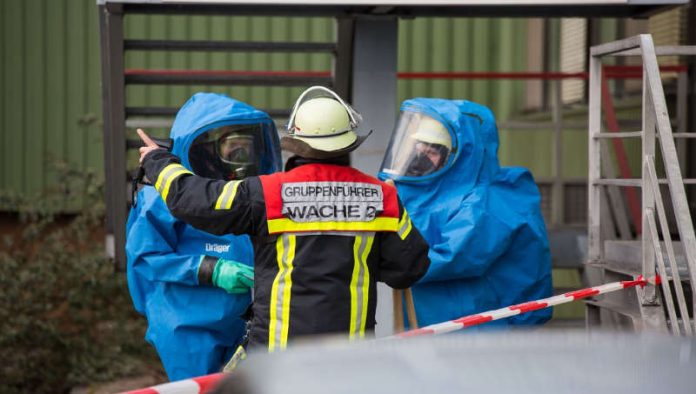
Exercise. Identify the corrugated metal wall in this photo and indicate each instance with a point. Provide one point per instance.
(50, 95)
(50, 105)
(476, 44)
(225, 28)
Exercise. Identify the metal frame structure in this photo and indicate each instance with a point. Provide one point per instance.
(118, 115)
(655, 125)
(366, 30)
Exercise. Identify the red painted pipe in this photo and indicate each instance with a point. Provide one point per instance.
(612, 72)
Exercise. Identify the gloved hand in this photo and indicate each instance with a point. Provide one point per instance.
(232, 276)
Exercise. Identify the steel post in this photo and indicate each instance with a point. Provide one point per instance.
(558, 188)
(594, 160)
(669, 154)
(647, 150)
(113, 104)
(374, 96)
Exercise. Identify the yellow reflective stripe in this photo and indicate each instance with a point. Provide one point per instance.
(354, 287)
(225, 199)
(286, 292)
(167, 176)
(360, 285)
(283, 225)
(164, 174)
(170, 180)
(405, 225)
(280, 293)
(366, 284)
(274, 297)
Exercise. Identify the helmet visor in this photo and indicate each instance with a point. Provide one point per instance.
(228, 152)
(420, 146)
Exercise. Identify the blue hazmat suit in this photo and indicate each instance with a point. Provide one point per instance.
(195, 329)
(483, 223)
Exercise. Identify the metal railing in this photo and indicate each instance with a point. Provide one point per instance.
(656, 124)
(651, 229)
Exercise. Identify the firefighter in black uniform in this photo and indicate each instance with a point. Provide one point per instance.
(323, 232)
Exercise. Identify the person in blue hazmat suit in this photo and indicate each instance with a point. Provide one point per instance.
(193, 286)
(483, 222)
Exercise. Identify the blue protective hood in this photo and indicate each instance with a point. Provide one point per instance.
(205, 111)
(475, 145)
(483, 223)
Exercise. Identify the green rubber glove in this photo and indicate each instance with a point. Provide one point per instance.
(233, 277)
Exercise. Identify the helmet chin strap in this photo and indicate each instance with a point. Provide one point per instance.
(327, 135)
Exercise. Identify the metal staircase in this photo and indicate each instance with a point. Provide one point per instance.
(670, 305)
(119, 114)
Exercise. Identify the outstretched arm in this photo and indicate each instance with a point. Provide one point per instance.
(215, 206)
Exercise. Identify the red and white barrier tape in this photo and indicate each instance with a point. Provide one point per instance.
(480, 318)
(197, 385)
(204, 383)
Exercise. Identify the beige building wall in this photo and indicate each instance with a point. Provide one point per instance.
(573, 56)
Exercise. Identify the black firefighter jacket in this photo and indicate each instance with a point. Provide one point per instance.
(323, 235)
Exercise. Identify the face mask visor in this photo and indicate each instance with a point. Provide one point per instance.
(420, 147)
(230, 152)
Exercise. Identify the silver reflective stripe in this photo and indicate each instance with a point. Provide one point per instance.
(338, 233)
(167, 176)
(404, 225)
(163, 178)
(226, 198)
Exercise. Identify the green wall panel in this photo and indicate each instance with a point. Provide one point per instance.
(14, 127)
(34, 95)
(225, 28)
(460, 45)
(55, 87)
(50, 99)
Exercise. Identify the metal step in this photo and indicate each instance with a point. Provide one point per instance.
(630, 270)
(627, 256)
(610, 314)
(620, 309)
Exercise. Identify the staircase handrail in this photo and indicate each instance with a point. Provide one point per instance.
(656, 124)
(670, 159)
(649, 215)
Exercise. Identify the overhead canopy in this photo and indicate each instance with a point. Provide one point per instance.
(407, 8)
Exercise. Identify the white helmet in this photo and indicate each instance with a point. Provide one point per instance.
(432, 131)
(322, 125)
(420, 146)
